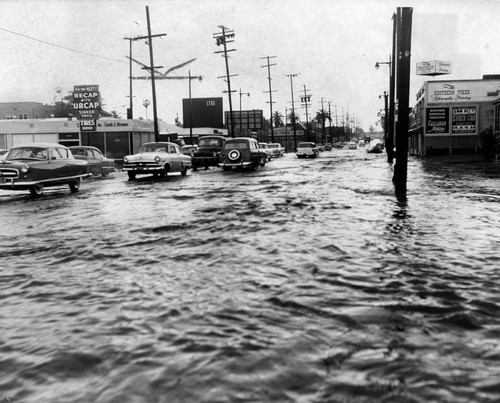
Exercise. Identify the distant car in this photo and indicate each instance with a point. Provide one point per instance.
(328, 147)
(207, 154)
(98, 165)
(277, 148)
(3, 153)
(242, 152)
(307, 149)
(361, 143)
(375, 147)
(265, 147)
(189, 149)
(157, 159)
(352, 145)
(38, 165)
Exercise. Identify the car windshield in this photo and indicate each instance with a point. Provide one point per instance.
(151, 148)
(78, 151)
(306, 145)
(240, 145)
(210, 142)
(23, 153)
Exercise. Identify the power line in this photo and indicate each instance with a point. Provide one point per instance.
(59, 46)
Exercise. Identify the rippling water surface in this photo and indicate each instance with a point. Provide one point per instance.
(304, 281)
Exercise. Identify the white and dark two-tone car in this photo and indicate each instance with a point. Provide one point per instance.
(157, 159)
(38, 165)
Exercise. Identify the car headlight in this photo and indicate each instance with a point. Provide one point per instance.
(125, 160)
(24, 169)
(157, 159)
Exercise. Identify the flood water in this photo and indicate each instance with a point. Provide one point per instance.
(303, 281)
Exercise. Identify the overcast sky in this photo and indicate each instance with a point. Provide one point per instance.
(332, 45)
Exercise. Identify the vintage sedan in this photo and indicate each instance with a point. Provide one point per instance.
(242, 152)
(265, 147)
(307, 149)
(207, 154)
(277, 149)
(36, 166)
(157, 159)
(98, 164)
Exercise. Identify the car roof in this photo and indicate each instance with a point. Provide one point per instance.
(84, 147)
(39, 145)
(163, 143)
(242, 139)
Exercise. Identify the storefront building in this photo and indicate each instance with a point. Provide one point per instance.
(449, 116)
(114, 137)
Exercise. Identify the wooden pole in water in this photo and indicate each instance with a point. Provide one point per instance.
(404, 22)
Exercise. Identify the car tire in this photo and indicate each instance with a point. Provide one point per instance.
(195, 167)
(262, 162)
(184, 171)
(226, 168)
(75, 185)
(36, 190)
(165, 171)
(131, 175)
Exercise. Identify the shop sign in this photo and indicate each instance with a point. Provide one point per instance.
(433, 68)
(86, 101)
(463, 120)
(87, 125)
(437, 121)
(439, 92)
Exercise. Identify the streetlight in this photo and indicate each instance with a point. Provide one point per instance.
(242, 93)
(389, 138)
(200, 78)
(146, 104)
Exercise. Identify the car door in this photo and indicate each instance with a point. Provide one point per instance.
(58, 163)
(175, 154)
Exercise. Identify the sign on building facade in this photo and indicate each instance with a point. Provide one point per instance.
(433, 68)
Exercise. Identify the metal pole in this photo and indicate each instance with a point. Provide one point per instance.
(392, 88)
(293, 113)
(130, 114)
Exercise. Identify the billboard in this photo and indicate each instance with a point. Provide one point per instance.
(433, 68)
(249, 119)
(463, 120)
(437, 121)
(206, 112)
(87, 104)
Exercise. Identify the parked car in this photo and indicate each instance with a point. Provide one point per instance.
(3, 153)
(277, 148)
(328, 147)
(189, 149)
(158, 159)
(98, 164)
(265, 147)
(207, 154)
(307, 149)
(352, 145)
(242, 152)
(38, 165)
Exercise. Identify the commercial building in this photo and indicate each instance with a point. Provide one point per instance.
(450, 115)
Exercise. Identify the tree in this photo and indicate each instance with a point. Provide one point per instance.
(290, 116)
(64, 108)
(278, 119)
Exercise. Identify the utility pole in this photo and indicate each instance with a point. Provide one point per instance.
(240, 119)
(130, 111)
(268, 65)
(286, 131)
(152, 67)
(323, 121)
(305, 103)
(191, 106)
(223, 38)
(404, 23)
(293, 111)
(330, 119)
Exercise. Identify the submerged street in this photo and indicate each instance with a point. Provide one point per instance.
(306, 280)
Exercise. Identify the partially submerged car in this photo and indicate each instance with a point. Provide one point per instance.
(277, 149)
(352, 145)
(157, 159)
(38, 165)
(265, 147)
(98, 164)
(242, 152)
(307, 149)
(207, 154)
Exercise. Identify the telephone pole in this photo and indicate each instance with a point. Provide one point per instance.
(268, 65)
(130, 110)
(305, 103)
(223, 38)
(404, 23)
(152, 68)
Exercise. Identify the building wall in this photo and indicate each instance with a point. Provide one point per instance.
(25, 110)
